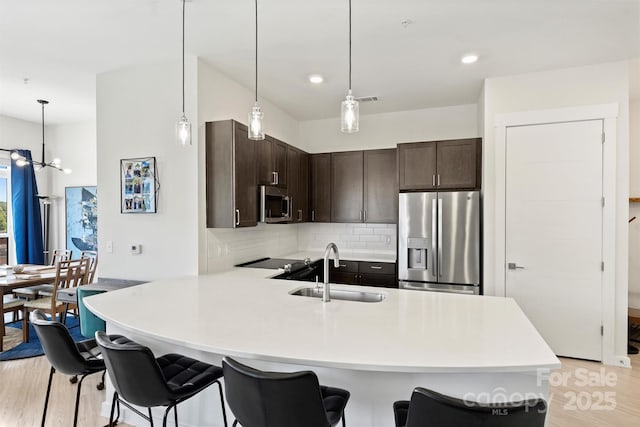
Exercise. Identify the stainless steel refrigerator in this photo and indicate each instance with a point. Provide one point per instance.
(439, 241)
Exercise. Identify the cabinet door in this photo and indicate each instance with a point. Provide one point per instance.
(417, 166)
(320, 168)
(265, 172)
(458, 164)
(347, 187)
(381, 280)
(380, 187)
(279, 154)
(303, 188)
(246, 193)
(293, 170)
(346, 278)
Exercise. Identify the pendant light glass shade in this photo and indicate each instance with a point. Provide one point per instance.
(183, 131)
(350, 115)
(256, 128)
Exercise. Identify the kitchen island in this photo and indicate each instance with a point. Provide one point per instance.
(477, 348)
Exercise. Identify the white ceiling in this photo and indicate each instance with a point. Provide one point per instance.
(61, 45)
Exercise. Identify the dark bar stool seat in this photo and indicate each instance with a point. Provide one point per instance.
(142, 380)
(430, 409)
(278, 399)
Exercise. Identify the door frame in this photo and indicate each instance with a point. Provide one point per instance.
(608, 113)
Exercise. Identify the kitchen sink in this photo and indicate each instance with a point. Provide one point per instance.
(340, 294)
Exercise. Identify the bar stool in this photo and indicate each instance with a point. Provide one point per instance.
(430, 409)
(278, 399)
(141, 379)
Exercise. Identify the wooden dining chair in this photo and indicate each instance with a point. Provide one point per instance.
(15, 306)
(93, 264)
(69, 274)
(44, 290)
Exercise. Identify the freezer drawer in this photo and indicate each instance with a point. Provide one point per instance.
(440, 287)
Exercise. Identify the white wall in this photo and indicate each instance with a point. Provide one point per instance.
(75, 145)
(221, 98)
(16, 133)
(388, 129)
(634, 208)
(137, 110)
(597, 84)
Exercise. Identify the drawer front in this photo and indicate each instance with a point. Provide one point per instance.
(345, 266)
(345, 278)
(377, 267)
(381, 280)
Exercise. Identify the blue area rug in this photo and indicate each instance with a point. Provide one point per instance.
(33, 347)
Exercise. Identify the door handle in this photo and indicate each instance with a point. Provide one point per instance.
(514, 266)
(237, 216)
(274, 178)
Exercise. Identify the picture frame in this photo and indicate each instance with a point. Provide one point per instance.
(138, 185)
(81, 219)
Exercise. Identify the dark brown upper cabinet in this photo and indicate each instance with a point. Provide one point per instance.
(380, 187)
(440, 165)
(272, 162)
(298, 187)
(363, 186)
(231, 191)
(347, 187)
(320, 187)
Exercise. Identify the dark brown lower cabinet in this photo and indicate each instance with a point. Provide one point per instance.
(381, 274)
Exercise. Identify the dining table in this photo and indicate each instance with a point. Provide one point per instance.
(31, 275)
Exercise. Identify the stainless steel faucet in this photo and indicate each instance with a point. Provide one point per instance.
(336, 263)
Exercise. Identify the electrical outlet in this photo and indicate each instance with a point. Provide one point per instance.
(135, 248)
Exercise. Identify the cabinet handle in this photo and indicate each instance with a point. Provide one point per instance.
(343, 265)
(274, 178)
(299, 214)
(365, 215)
(433, 180)
(237, 216)
(278, 178)
(360, 215)
(438, 180)
(376, 267)
(313, 216)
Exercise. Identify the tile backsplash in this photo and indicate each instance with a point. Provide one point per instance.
(374, 238)
(227, 247)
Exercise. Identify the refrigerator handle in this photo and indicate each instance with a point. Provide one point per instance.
(434, 231)
(440, 237)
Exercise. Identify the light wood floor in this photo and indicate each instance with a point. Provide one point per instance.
(23, 385)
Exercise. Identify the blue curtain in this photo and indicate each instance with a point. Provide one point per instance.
(27, 222)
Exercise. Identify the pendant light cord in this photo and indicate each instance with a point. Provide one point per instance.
(43, 163)
(256, 2)
(183, 9)
(349, 45)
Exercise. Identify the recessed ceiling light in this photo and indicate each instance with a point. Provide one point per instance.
(316, 79)
(470, 58)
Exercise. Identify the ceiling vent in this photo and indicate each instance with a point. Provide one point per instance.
(366, 98)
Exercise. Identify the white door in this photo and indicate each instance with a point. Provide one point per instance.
(554, 232)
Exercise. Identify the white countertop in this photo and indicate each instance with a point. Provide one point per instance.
(240, 313)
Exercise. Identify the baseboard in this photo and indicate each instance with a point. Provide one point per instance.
(619, 361)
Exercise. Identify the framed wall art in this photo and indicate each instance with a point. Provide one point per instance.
(81, 219)
(138, 185)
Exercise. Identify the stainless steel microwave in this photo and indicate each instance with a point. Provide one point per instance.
(275, 205)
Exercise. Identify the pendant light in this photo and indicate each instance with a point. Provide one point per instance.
(350, 109)
(183, 127)
(55, 163)
(256, 124)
